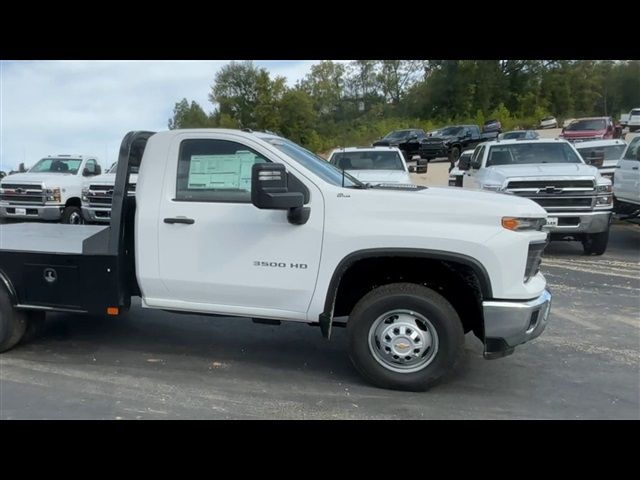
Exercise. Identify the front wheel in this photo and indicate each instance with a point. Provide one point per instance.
(454, 154)
(72, 215)
(595, 243)
(404, 336)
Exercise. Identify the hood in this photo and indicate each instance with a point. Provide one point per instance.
(447, 203)
(582, 133)
(384, 142)
(503, 172)
(439, 138)
(380, 176)
(36, 178)
(108, 179)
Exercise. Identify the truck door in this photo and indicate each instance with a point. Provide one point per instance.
(220, 254)
(470, 178)
(627, 178)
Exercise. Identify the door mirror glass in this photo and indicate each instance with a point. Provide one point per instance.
(464, 163)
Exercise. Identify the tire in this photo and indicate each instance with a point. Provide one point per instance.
(405, 306)
(35, 326)
(72, 215)
(13, 323)
(595, 243)
(454, 154)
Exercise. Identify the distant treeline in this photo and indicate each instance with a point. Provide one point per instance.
(352, 104)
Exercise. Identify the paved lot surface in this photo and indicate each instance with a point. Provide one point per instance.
(159, 365)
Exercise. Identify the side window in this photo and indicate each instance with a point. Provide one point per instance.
(476, 160)
(215, 171)
(91, 166)
(633, 150)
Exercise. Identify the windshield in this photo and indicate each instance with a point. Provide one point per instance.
(57, 165)
(397, 134)
(522, 153)
(580, 125)
(367, 160)
(450, 131)
(609, 152)
(113, 168)
(635, 112)
(313, 162)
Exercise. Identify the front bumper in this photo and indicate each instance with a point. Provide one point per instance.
(580, 222)
(97, 215)
(508, 324)
(433, 152)
(32, 212)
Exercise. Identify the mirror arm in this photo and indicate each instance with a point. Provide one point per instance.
(299, 215)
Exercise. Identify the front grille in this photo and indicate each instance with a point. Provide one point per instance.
(534, 259)
(101, 196)
(101, 201)
(563, 202)
(542, 184)
(20, 193)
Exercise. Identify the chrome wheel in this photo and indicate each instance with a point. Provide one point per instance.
(403, 341)
(75, 218)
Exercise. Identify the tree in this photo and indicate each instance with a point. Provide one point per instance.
(187, 115)
(325, 84)
(396, 76)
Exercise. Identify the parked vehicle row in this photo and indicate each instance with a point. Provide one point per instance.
(50, 190)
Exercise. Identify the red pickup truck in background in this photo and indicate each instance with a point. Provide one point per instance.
(591, 128)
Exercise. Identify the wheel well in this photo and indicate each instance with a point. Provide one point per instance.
(455, 281)
(73, 202)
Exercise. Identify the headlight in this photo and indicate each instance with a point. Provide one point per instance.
(490, 186)
(519, 224)
(604, 200)
(85, 193)
(606, 188)
(53, 194)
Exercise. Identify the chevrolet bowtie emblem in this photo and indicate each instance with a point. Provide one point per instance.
(402, 346)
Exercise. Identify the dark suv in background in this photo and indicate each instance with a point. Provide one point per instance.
(408, 141)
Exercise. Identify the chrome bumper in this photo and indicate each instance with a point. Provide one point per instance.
(581, 222)
(508, 324)
(99, 215)
(33, 212)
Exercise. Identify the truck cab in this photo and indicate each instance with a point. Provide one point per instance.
(50, 190)
(250, 224)
(553, 174)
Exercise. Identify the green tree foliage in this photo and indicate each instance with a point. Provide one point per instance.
(189, 115)
(355, 103)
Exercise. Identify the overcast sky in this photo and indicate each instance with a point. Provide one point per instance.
(86, 107)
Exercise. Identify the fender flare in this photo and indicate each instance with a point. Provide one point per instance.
(11, 291)
(326, 317)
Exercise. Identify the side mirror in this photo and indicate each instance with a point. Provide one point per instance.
(269, 191)
(98, 170)
(464, 164)
(86, 172)
(412, 169)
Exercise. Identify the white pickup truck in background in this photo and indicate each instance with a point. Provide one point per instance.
(373, 165)
(626, 186)
(50, 190)
(553, 174)
(249, 224)
(97, 194)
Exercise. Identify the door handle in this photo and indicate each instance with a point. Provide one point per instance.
(183, 220)
(634, 168)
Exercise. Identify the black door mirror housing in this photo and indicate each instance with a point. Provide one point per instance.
(269, 191)
(412, 168)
